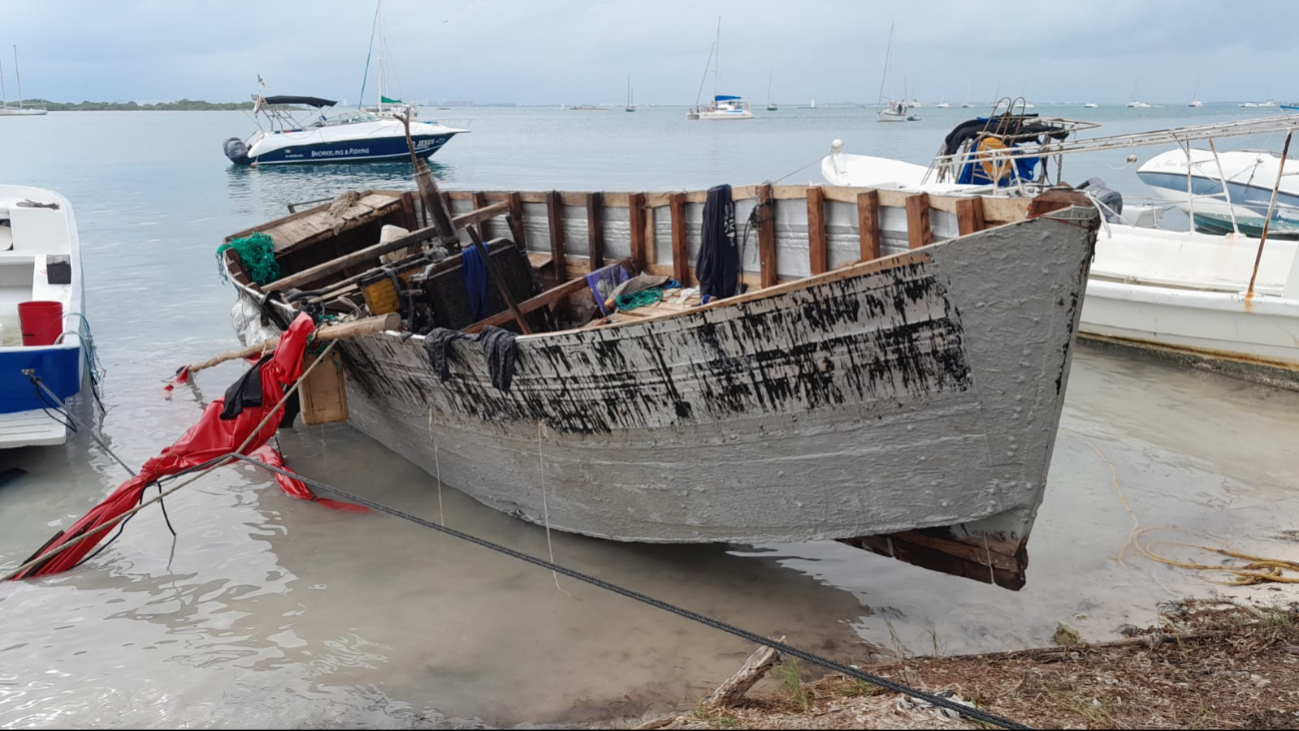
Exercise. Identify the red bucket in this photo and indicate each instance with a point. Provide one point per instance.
(42, 322)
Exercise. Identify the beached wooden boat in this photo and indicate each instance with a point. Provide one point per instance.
(893, 377)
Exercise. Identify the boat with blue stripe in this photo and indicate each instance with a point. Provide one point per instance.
(42, 356)
(299, 131)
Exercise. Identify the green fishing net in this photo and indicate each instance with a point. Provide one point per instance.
(257, 254)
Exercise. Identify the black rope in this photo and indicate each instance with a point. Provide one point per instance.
(791, 651)
(72, 424)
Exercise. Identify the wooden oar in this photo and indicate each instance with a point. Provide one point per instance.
(356, 328)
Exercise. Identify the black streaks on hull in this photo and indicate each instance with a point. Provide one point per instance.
(887, 336)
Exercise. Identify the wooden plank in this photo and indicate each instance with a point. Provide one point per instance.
(766, 236)
(893, 199)
(918, 231)
(408, 210)
(680, 247)
(1005, 210)
(868, 225)
(651, 238)
(555, 214)
(969, 215)
(533, 196)
(478, 215)
(789, 192)
(324, 394)
(333, 266)
(458, 195)
(817, 251)
(636, 222)
(480, 202)
(594, 229)
(515, 221)
(353, 329)
(549, 297)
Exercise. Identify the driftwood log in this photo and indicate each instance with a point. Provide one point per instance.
(730, 692)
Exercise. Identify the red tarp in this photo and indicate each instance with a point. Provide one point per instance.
(210, 438)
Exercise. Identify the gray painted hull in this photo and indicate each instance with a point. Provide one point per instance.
(916, 391)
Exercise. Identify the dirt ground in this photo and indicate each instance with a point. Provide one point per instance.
(1208, 665)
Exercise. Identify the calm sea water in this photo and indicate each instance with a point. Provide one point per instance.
(272, 611)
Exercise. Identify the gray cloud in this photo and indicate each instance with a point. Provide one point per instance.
(580, 51)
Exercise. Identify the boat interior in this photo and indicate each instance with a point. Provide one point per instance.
(564, 260)
(34, 238)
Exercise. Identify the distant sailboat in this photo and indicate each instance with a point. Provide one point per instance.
(1136, 103)
(967, 104)
(1195, 102)
(1090, 105)
(20, 110)
(631, 105)
(771, 105)
(724, 106)
(894, 110)
(813, 104)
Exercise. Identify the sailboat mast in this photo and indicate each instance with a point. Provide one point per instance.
(717, 70)
(888, 54)
(4, 99)
(769, 76)
(360, 102)
(19, 76)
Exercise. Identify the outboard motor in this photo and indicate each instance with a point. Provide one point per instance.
(237, 151)
(1111, 199)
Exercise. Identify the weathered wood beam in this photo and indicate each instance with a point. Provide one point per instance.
(479, 215)
(868, 225)
(555, 214)
(766, 236)
(680, 247)
(480, 202)
(515, 220)
(595, 230)
(817, 250)
(549, 297)
(969, 215)
(918, 230)
(637, 224)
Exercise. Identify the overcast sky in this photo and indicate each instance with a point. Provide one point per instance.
(581, 51)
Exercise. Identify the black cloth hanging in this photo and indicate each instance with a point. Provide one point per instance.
(718, 266)
(247, 391)
(498, 346)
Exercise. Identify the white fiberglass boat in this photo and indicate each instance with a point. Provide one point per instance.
(726, 107)
(1249, 175)
(1181, 291)
(299, 131)
(41, 322)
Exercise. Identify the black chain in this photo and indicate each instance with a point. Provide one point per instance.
(936, 700)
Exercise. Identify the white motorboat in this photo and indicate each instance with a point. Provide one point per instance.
(299, 131)
(1242, 203)
(43, 358)
(1090, 105)
(22, 110)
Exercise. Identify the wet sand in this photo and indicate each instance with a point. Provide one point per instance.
(280, 612)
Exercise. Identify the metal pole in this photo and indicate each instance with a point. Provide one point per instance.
(1271, 207)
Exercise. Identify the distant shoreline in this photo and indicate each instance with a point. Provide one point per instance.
(183, 105)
